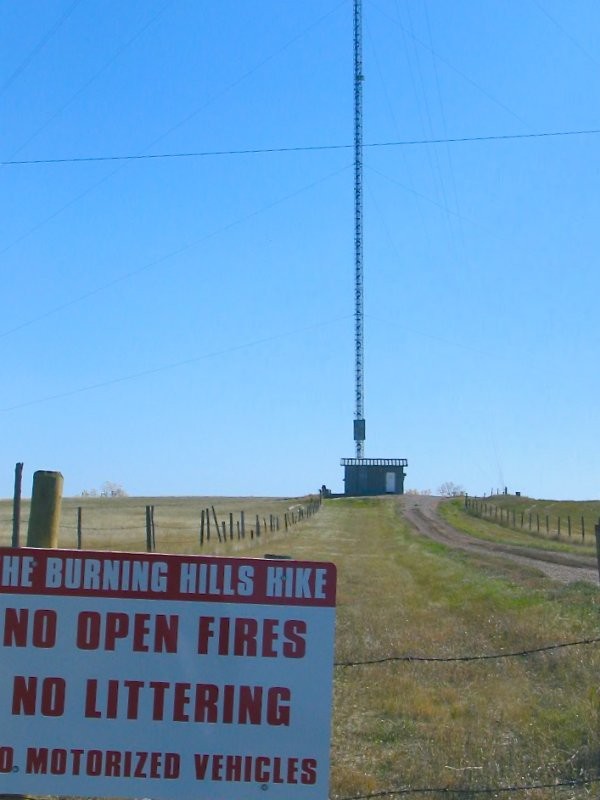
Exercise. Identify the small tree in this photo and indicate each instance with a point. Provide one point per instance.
(450, 489)
(110, 489)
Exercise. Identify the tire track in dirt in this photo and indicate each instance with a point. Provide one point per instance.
(421, 512)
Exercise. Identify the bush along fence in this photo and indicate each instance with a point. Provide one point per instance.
(573, 528)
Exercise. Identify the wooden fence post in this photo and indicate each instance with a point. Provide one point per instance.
(582, 530)
(207, 526)
(257, 526)
(202, 529)
(16, 531)
(597, 529)
(231, 526)
(217, 526)
(44, 516)
(243, 524)
(153, 529)
(547, 524)
(148, 531)
(569, 525)
(79, 527)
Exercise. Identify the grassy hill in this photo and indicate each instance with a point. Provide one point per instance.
(566, 526)
(436, 685)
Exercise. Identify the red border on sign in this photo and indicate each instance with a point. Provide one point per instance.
(91, 573)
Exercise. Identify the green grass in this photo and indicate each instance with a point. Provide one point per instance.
(456, 725)
(492, 530)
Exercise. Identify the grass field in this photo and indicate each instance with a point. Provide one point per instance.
(533, 523)
(425, 728)
(119, 523)
(460, 725)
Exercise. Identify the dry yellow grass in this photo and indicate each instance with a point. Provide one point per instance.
(119, 523)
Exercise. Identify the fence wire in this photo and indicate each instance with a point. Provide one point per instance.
(445, 791)
(485, 790)
(484, 657)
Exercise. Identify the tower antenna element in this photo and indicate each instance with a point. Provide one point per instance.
(359, 421)
(364, 476)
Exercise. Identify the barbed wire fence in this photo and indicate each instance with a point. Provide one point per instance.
(473, 791)
(445, 791)
(575, 529)
(201, 530)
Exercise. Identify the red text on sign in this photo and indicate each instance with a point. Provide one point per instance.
(144, 633)
(97, 763)
(187, 702)
(33, 696)
(246, 636)
(21, 629)
(261, 769)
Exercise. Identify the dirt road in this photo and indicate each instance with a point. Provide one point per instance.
(421, 512)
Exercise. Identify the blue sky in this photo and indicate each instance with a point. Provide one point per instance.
(184, 325)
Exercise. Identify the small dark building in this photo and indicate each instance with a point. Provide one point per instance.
(372, 476)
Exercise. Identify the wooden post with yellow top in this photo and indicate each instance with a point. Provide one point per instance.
(44, 516)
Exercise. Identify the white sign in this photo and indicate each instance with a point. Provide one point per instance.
(133, 675)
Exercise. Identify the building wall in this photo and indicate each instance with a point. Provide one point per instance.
(367, 480)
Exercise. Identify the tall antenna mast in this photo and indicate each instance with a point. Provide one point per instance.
(364, 476)
(359, 421)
